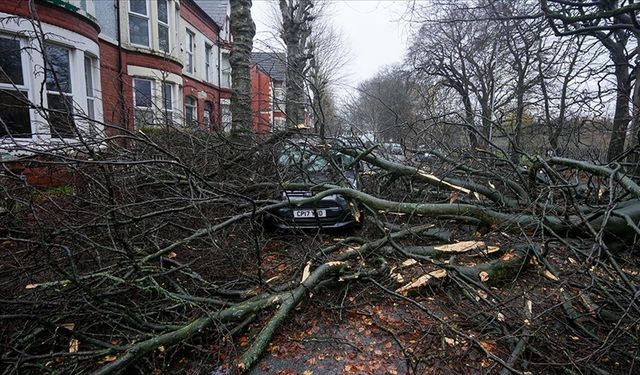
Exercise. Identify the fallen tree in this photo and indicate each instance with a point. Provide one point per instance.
(114, 272)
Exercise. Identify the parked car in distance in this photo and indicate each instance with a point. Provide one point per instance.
(393, 152)
(306, 164)
(423, 157)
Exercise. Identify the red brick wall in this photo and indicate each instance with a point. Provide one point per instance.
(112, 104)
(260, 100)
(192, 88)
(54, 15)
(112, 85)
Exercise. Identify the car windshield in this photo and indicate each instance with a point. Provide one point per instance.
(308, 161)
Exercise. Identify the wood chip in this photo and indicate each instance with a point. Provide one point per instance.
(421, 281)
(409, 262)
(460, 247)
(484, 276)
(550, 276)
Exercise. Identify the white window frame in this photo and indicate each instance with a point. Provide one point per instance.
(26, 85)
(225, 70)
(208, 51)
(226, 117)
(90, 90)
(191, 122)
(146, 16)
(75, 91)
(168, 113)
(163, 24)
(189, 41)
(150, 108)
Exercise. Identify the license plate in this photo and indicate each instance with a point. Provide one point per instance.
(301, 214)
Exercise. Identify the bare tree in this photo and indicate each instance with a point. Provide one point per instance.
(614, 24)
(297, 18)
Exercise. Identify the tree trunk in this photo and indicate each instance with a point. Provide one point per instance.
(243, 30)
(296, 29)
(621, 117)
(295, 83)
(468, 116)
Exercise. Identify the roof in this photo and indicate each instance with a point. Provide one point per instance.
(272, 63)
(217, 10)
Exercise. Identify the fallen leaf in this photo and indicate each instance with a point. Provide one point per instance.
(450, 341)
(500, 317)
(508, 256)
(307, 372)
(172, 255)
(453, 197)
(31, 286)
(110, 358)
(244, 341)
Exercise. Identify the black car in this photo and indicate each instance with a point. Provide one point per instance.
(303, 165)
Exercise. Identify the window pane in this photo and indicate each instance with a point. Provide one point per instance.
(139, 30)
(163, 35)
(61, 116)
(142, 94)
(189, 42)
(83, 5)
(138, 6)
(190, 111)
(91, 112)
(58, 72)
(144, 117)
(88, 75)
(11, 62)
(167, 96)
(14, 113)
(163, 11)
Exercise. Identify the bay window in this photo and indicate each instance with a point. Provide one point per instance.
(139, 22)
(15, 119)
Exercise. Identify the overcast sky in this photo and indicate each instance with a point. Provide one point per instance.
(370, 30)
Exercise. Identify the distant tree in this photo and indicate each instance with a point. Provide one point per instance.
(328, 57)
(384, 105)
(615, 25)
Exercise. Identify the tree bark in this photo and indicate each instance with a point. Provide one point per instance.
(243, 30)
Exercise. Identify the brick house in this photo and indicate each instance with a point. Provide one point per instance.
(109, 65)
(274, 64)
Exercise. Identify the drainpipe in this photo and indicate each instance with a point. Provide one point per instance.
(220, 81)
(124, 120)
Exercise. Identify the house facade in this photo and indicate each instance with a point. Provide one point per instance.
(72, 69)
(273, 64)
